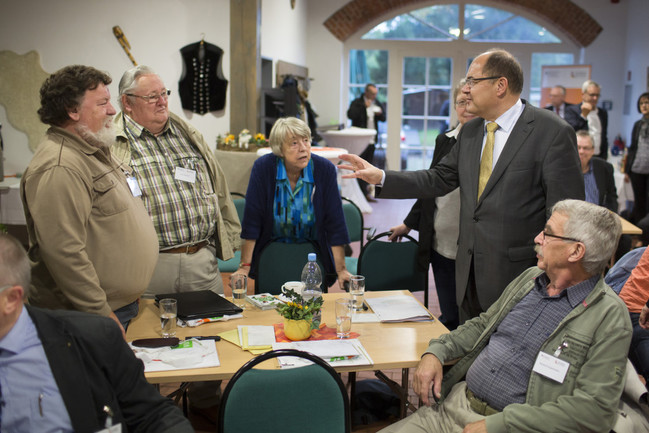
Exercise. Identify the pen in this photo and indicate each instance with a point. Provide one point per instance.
(40, 403)
(212, 337)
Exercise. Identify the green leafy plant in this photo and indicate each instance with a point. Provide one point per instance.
(299, 309)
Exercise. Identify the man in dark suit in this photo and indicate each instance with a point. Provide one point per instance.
(69, 371)
(599, 182)
(588, 115)
(530, 163)
(366, 112)
(558, 101)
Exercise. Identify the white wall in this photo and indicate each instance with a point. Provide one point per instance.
(283, 32)
(80, 31)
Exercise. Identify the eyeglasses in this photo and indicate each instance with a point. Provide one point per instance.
(563, 238)
(3, 288)
(150, 99)
(460, 104)
(470, 81)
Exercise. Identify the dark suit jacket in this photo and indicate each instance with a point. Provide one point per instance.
(422, 215)
(93, 367)
(578, 123)
(538, 167)
(357, 113)
(633, 149)
(603, 172)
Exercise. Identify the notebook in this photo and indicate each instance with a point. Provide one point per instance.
(201, 304)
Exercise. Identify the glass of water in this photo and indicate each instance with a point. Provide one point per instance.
(344, 309)
(168, 313)
(239, 285)
(357, 290)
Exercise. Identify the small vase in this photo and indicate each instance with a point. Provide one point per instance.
(297, 330)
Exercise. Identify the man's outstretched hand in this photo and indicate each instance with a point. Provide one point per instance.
(360, 168)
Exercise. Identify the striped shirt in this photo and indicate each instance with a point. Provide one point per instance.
(182, 211)
(592, 192)
(501, 372)
(293, 214)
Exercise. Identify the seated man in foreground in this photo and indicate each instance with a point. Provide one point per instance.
(549, 354)
(69, 371)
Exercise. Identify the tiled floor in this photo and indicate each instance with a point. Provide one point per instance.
(385, 214)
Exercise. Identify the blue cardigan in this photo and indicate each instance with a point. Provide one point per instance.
(329, 219)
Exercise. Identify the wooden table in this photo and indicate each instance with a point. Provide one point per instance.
(390, 345)
(629, 229)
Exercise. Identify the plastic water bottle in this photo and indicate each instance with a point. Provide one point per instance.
(312, 279)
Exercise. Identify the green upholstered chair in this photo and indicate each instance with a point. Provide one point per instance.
(233, 264)
(304, 399)
(280, 262)
(392, 265)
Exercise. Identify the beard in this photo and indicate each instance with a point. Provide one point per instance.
(105, 137)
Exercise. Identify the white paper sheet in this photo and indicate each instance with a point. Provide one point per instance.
(202, 354)
(398, 308)
(345, 353)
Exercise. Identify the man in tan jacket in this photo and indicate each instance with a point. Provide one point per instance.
(92, 245)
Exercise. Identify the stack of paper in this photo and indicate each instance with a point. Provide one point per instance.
(264, 301)
(336, 353)
(255, 339)
(399, 308)
(189, 354)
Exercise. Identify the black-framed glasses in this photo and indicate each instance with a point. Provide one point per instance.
(150, 99)
(470, 81)
(563, 238)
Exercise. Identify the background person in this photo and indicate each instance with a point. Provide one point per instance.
(588, 115)
(558, 313)
(64, 370)
(293, 197)
(599, 182)
(531, 163)
(366, 112)
(91, 241)
(437, 221)
(637, 161)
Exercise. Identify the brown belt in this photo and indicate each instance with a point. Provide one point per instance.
(479, 406)
(187, 249)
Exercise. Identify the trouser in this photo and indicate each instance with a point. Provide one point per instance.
(639, 349)
(449, 417)
(470, 306)
(184, 273)
(126, 313)
(444, 274)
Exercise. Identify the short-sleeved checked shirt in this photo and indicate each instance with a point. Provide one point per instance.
(182, 212)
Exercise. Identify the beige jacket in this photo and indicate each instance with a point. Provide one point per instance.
(228, 227)
(92, 244)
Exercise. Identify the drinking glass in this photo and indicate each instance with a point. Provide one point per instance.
(168, 313)
(343, 317)
(239, 285)
(357, 290)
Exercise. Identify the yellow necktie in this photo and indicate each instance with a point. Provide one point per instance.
(487, 157)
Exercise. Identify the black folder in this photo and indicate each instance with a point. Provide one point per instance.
(201, 304)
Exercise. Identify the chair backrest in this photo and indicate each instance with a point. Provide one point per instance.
(392, 265)
(353, 220)
(240, 204)
(280, 262)
(304, 399)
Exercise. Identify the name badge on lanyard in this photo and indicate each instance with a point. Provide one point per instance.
(185, 174)
(551, 366)
(134, 186)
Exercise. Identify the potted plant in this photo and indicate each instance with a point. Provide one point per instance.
(299, 314)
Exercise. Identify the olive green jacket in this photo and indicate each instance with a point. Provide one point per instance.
(598, 333)
(228, 226)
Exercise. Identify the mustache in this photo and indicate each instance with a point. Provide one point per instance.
(537, 250)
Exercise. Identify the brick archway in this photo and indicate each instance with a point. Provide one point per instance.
(572, 19)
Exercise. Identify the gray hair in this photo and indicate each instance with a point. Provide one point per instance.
(586, 134)
(128, 82)
(458, 88)
(284, 129)
(15, 268)
(587, 84)
(596, 227)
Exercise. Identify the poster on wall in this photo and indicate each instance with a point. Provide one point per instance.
(569, 76)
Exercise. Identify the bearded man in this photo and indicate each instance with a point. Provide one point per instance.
(92, 244)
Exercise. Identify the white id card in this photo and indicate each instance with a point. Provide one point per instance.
(185, 174)
(135, 188)
(551, 367)
(117, 428)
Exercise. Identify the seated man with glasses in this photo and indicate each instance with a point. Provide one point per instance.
(171, 166)
(548, 355)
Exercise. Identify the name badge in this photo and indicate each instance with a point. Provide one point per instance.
(551, 367)
(185, 174)
(133, 185)
(117, 428)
